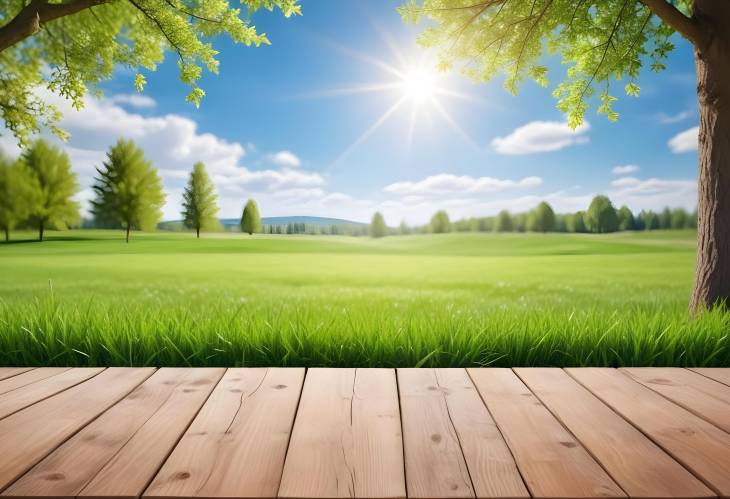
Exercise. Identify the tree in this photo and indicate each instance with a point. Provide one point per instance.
(576, 222)
(603, 42)
(51, 186)
(200, 202)
(67, 47)
(377, 226)
(542, 218)
(665, 219)
(649, 220)
(680, 218)
(14, 185)
(626, 219)
(403, 228)
(601, 216)
(128, 189)
(504, 222)
(440, 222)
(251, 221)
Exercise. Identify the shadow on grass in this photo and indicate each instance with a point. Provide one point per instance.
(46, 240)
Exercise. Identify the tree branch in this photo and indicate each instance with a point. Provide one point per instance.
(686, 26)
(38, 12)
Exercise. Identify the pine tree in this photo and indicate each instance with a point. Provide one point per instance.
(200, 202)
(250, 219)
(51, 186)
(128, 189)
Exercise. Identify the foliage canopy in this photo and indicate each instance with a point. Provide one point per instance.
(600, 41)
(48, 44)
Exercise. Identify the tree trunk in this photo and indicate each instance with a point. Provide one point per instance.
(40, 231)
(197, 232)
(128, 226)
(712, 61)
(7, 234)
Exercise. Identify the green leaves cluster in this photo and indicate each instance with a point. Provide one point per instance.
(200, 201)
(440, 222)
(75, 52)
(128, 189)
(600, 41)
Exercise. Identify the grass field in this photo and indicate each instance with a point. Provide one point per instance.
(87, 298)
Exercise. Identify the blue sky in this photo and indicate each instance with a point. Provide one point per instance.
(273, 127)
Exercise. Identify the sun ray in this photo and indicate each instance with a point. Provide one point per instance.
(454, 125)
(367, 133)
(353, 90)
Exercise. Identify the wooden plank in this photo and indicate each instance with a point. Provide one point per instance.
(118, 453)
(700, 446)
(721, 374)
(7, 372)
(451, 439)
(346, 441)
(29, 377)
(702, 396)
(636, 463)
(552, 462)
(28, 395)
(236, 445)
(31, 434)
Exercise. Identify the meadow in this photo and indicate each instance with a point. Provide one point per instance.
(462, 299)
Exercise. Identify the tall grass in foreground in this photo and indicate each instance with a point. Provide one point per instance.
(46, 332)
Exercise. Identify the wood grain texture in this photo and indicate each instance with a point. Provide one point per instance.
(118, 453)
(552, 462)
(236, 445)
(637, 464)
(28, 377)
(28, 395)
(700, 446)
(30, 435)
(451, 395)
(435, 464)
(721, 374)
(346, 441)
(7, 372)
(701, 396)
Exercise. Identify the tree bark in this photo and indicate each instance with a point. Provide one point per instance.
(40, 230)
(712, 61)
(29, 20)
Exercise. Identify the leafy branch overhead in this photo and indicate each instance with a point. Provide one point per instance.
(71, 46)
(600, 41)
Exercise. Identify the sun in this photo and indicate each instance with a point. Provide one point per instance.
(419, 84)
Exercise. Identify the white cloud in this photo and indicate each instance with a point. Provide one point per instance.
(446, 183)
(684, 141)
(675, 118)
(134, 100)
(541, 136)
(286, 158)
(624, 169)
(653, 193)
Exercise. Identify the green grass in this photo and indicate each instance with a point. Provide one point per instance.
(87, 298)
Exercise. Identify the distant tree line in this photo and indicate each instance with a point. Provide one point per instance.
(600, 217)
(37, 190)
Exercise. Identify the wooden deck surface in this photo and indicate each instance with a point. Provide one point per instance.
(372, 433)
